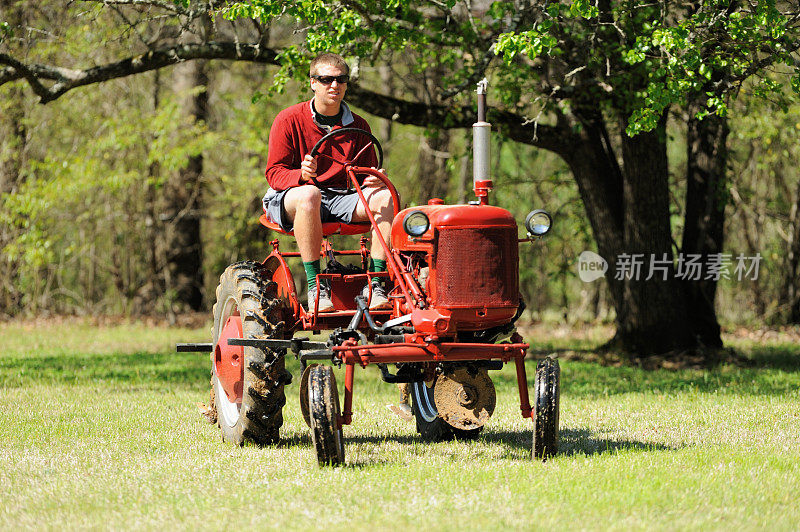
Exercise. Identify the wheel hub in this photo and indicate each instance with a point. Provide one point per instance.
(228, 360)
(468, 396)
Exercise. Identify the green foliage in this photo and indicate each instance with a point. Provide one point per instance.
(5, 31)
(675, 55)
(365, 30)
(764, 188)
(84, 196)
(650, 56)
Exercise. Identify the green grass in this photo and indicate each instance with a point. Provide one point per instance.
(99, 429)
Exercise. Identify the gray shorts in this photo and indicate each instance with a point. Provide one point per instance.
(335, 207)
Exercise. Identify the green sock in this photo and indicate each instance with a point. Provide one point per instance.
(377, 265)
(312, 269)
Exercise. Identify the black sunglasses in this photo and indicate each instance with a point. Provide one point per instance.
(327, 80)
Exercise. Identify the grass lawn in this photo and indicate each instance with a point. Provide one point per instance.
(99, 429)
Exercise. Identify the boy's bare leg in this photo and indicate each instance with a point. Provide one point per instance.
(380, 203)
(302, 205)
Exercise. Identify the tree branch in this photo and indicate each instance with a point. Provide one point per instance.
(66, 79)
(167, 6)
(18, 71)
(512, 125)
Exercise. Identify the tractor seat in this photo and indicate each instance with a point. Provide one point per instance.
(330, 228)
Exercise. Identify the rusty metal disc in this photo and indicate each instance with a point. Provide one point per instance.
(464, 401)
(304, 395)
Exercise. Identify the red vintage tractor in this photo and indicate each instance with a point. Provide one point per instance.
(454, 292)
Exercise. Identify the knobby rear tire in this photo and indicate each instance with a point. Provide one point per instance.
(245, 287)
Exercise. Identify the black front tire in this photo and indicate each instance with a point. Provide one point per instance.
(323, 406)
(546, 409)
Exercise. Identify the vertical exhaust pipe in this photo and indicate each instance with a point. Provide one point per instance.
(481, 136)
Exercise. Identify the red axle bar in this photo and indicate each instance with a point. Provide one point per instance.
(440, 352)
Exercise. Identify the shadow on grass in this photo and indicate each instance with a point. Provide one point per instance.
(152, 369)
(783, 357)
(378, 439)
(582, 441)
(572, 442)
(298, 440)
(771, 370)
(517, 445)
(767, 370)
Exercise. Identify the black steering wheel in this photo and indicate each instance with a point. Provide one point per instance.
(337, 132)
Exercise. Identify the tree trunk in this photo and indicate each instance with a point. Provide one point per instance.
(183, 193)
(654, 319)
(433, 176)
(385, 128)
(629, 214)
(153, 288)
(703, 235)
(599, 181)
(13, 147)
(12, 156)
(792, 279)
(465, 171)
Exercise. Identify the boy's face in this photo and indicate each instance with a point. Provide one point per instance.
(331, 94)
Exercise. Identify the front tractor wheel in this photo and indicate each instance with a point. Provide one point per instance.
(546, 409)
(324, 415)
(247, 382)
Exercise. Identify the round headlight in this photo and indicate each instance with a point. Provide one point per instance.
(416, 223)
(538, 222)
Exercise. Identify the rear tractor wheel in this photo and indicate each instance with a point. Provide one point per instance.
(247, 382)
(456, 404)
(546, 409)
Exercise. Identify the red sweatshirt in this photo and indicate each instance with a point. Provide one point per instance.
(294, 132)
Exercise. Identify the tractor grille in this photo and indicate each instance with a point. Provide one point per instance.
(477, 267)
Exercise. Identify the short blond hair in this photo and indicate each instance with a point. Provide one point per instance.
(330, 59)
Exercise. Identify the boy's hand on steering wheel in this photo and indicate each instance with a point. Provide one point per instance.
(372, 181)
(308, 169)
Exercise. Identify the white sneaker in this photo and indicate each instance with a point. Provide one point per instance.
(379, 300)
(325, 303)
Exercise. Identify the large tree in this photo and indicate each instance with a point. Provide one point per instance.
(591, 82)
